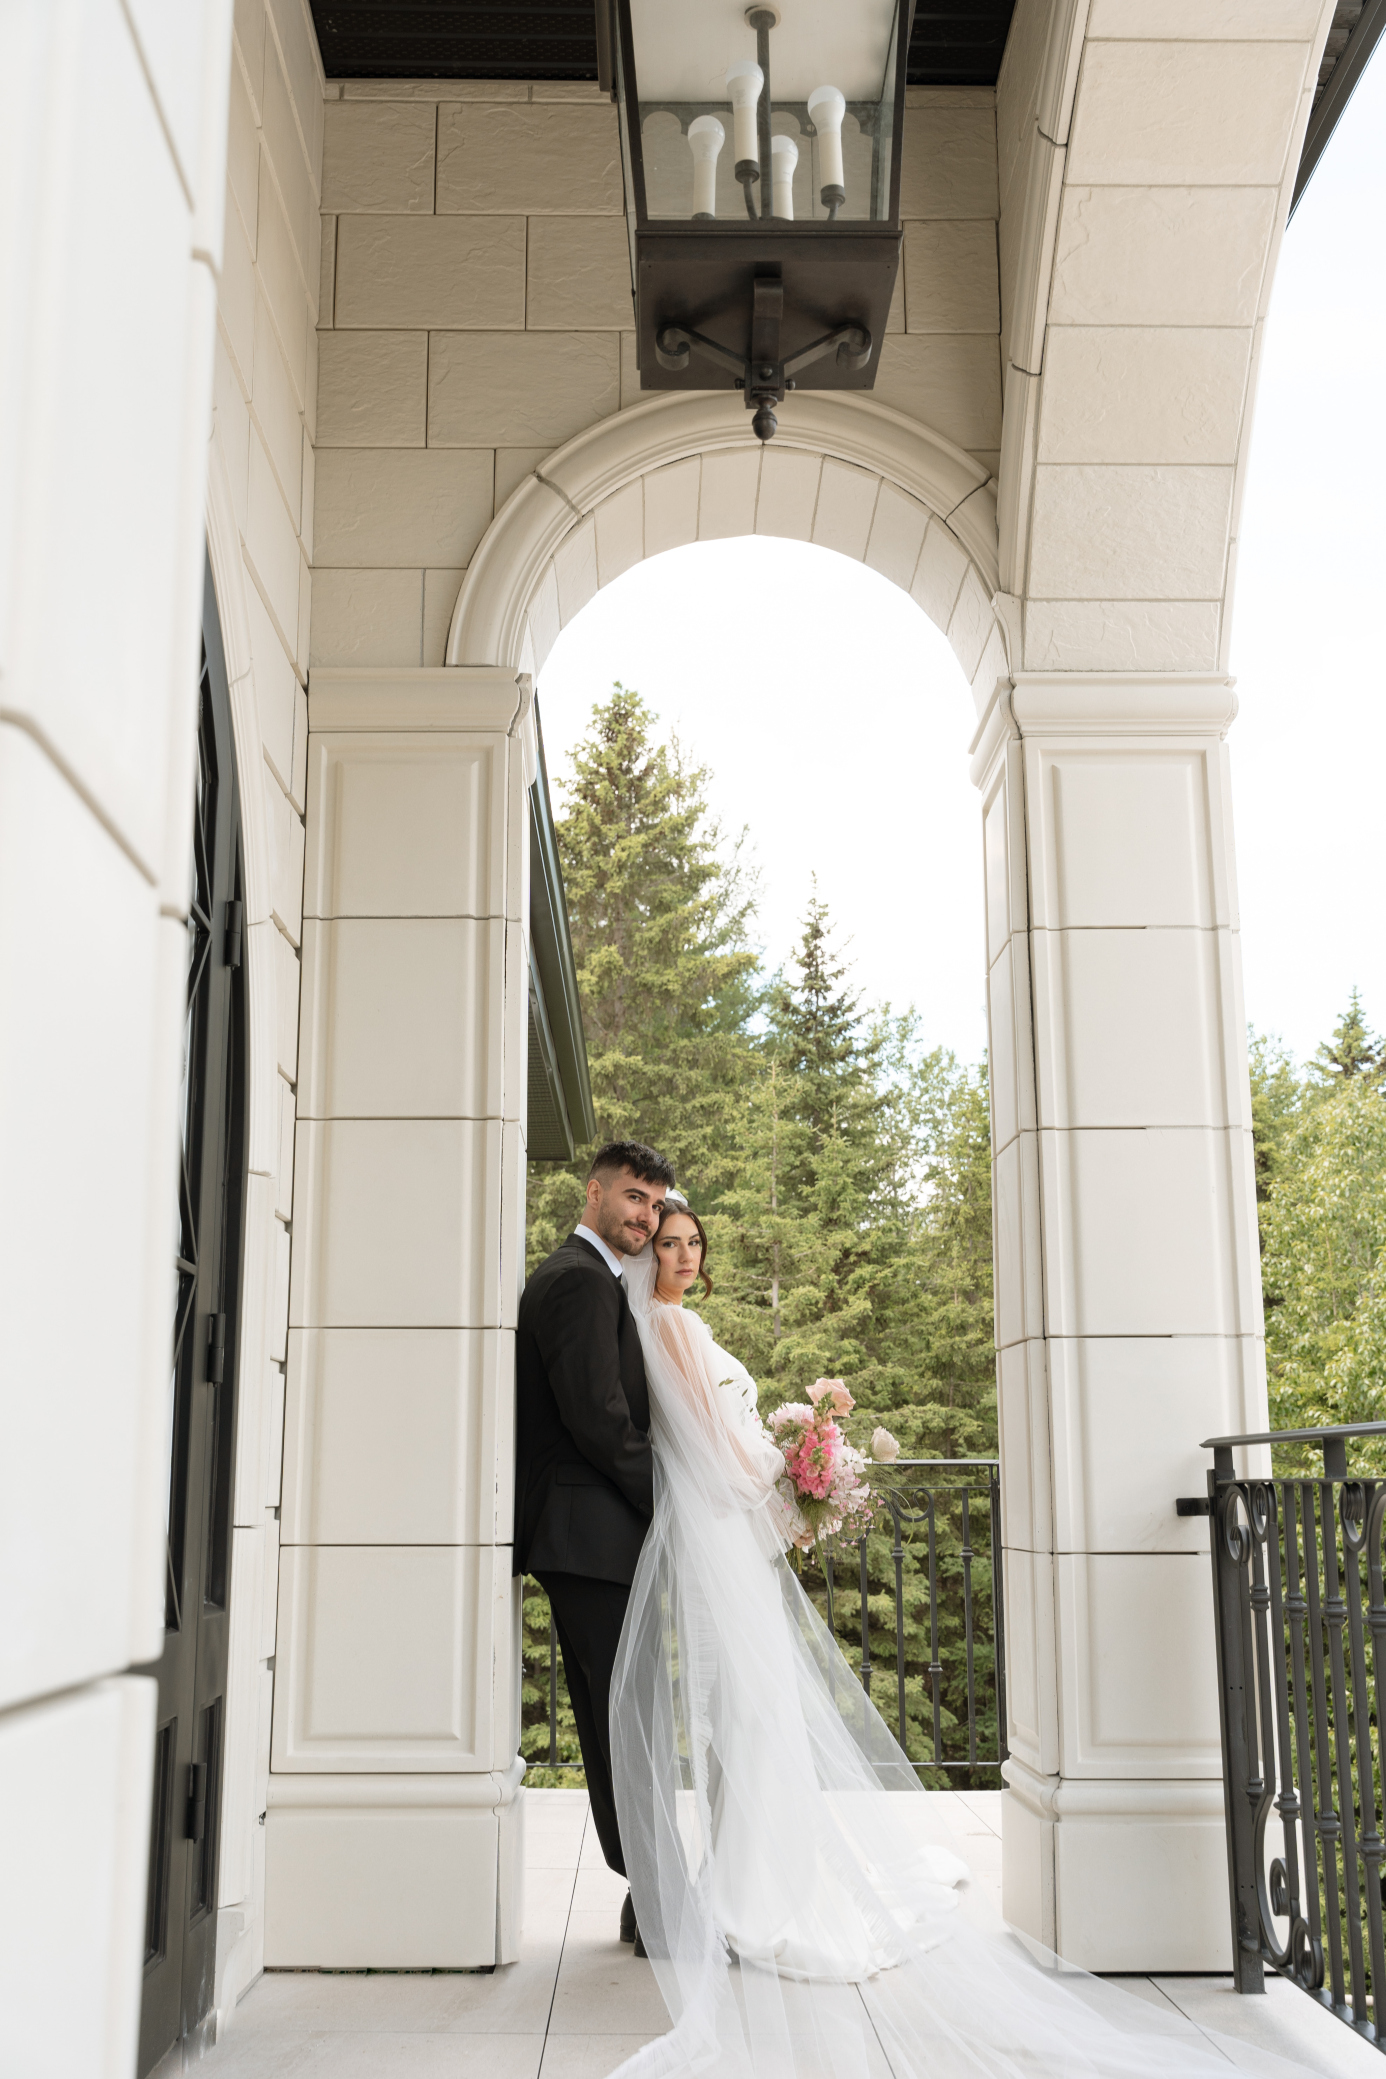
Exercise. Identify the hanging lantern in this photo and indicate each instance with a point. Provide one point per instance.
(761, 154)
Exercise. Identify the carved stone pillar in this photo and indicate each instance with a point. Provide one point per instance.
(1128, 1309)
(393, 1816)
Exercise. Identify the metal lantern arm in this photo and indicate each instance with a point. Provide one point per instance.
(853, 343)
(762, 375)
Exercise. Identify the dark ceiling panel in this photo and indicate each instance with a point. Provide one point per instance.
(958, 45)
(952, 45)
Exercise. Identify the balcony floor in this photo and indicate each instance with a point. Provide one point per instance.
(577, 2002)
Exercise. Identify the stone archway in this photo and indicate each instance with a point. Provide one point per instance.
(843, 472)
(1126, 1279)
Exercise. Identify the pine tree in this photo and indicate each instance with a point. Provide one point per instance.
(660, 908)
(1352, 1051)
(815, 1021)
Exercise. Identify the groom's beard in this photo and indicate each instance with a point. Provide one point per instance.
(623, 1236)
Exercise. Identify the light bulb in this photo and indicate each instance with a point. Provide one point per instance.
(826, 108)
(706, 137)
(744, 82)
(784, 157)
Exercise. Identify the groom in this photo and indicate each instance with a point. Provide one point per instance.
(584, 1473)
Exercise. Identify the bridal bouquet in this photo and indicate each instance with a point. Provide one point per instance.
(823, 1491)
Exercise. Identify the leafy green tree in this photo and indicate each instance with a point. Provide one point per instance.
(1276, 1097)
(1324, 1234)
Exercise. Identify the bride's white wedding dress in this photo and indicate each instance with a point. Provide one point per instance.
(800, 1921)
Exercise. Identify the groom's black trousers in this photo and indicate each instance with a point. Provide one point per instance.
(588, 1616)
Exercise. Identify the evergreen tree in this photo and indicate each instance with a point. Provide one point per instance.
(1352, 1051)
(815, 1025)
(660, 909)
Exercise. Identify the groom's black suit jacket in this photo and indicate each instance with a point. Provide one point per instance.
(584, 1472)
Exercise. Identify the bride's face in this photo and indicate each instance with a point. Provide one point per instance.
(679, 1256)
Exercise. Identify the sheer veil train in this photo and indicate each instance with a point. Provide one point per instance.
(803, 1916)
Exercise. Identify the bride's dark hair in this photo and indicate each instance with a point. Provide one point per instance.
(681, 1205)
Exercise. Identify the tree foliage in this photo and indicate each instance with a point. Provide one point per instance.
(1321, 1173)
(659, 906)
(842, 1169)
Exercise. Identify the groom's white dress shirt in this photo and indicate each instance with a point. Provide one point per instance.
(608, 1256)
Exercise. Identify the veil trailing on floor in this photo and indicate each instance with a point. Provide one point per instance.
(804, 1922)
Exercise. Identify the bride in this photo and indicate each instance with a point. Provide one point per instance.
(800, 1922)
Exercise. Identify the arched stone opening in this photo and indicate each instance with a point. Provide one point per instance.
(845, 473)
(1124, 1237)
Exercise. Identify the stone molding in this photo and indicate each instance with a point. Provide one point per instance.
(505, 574)
(478, 1790)
(374, 697)
(1103, 704)
(1122, 703)
(1109, 1797)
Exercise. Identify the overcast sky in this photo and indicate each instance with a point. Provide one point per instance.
(836, 721)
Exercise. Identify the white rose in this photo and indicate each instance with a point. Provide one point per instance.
(884, 1447)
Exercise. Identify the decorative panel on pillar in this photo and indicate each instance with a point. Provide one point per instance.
(393, 1754)
(1128, 1292)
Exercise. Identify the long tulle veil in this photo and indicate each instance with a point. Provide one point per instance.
(802, 1910)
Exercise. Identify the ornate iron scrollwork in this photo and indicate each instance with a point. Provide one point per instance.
(1302, 1675)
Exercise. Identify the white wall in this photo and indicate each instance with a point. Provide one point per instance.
(112, 144)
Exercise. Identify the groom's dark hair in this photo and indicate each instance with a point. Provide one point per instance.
(646, 1163)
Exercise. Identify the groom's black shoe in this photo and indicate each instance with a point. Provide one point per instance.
(629, 1931)
(640, 1948)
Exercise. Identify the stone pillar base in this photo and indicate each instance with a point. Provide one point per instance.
(394, 1872)
(1117, 1875)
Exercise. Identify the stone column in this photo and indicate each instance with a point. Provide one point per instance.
(1128, 1308)
(393, 1814)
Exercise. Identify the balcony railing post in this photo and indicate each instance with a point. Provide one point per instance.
(1229, 1542)
(865, 1623)
(998, 1614)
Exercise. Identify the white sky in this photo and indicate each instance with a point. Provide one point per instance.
(836, 720)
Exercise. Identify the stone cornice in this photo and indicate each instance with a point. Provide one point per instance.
(1062, 703)
(435, 697)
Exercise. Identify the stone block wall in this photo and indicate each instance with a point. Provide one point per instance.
(475, 313)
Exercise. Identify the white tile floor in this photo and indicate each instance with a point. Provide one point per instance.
(578, 2002)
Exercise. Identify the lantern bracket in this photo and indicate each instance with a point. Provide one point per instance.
(762, 375)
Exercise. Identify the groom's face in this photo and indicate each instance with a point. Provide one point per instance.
(624, 1210)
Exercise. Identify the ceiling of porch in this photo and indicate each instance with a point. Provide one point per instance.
(954, 42)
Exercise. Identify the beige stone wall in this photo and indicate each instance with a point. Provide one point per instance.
(475, 313)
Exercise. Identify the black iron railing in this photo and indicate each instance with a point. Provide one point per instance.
(916, 1606)
(1301, 1643)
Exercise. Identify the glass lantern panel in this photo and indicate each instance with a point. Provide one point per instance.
(682, 55)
